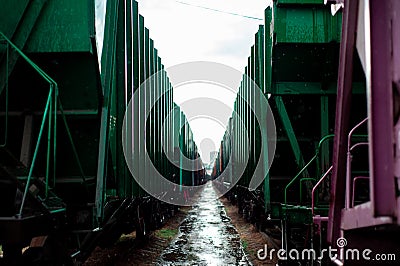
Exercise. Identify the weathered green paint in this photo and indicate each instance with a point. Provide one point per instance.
(143, 47)
(151, 67)
(120, 99)
(107, 130)
(268, 44)
(157, 130)
(64, 26)
(135, 190)
(259, 57)
(305, 25)
(251, 117)
(181, 146)
(260, 44)
(21, 14)
(142, 50)
(11, 13)
(129, 182)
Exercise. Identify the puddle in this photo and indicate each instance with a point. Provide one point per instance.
(206, 236)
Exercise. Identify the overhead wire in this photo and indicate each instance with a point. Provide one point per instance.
(217, 10)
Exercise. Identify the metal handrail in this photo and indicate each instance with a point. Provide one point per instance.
(29, 61)
(352, 131)
(50, 109)
(315, 188)
(348, 161)
(307, 165)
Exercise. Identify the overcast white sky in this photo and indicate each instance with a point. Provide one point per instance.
(184, 33)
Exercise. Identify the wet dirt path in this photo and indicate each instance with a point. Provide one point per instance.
(206, 236)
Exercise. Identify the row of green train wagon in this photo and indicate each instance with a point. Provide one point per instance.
(69, 69)
(294, 65)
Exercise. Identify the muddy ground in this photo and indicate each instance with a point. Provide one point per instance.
(127, 251)
(174, 237)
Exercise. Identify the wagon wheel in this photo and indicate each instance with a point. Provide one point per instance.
(141, 231)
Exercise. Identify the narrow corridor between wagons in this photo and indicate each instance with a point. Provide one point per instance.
(206, 236)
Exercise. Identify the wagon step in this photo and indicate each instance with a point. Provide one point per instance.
(14, 176)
